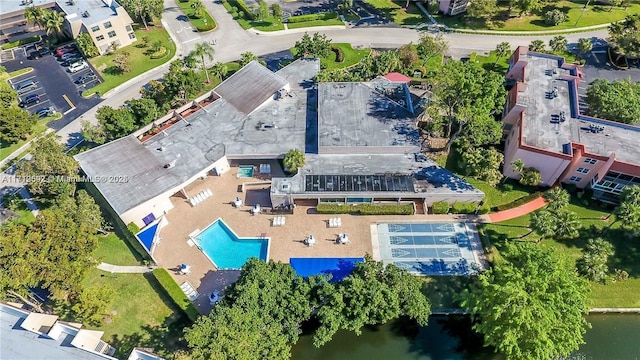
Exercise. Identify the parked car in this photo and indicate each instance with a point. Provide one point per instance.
(72, 60)
(69, 55)
(46, 111)
(80, 65)
(65, 49)
(30, 99)
(44, 51)
(26, 86)
(35, 55)
(86, 78)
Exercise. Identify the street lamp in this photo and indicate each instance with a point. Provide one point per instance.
(583, 10)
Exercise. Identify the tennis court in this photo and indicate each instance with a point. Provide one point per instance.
(431, 248)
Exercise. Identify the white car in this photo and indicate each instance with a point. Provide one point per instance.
(73, 68)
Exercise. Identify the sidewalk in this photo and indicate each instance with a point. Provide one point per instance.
(298, 30)
(530, 33)
(518, 211)
(125, 269)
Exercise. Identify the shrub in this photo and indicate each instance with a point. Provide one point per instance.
(339, 54)
(206, 27)
(555, 17)
(484, 209)
(464, 208)
(312, 17)
(571, 188)
(20, 42)
(240, 4)
(521, 201)
(366, 209)
(175, 293)
(162, 52)
(133, 228)
(507, 187)
(440, 207)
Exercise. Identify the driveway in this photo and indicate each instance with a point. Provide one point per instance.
(54, 84)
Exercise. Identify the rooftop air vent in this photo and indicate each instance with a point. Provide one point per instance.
(85, 14)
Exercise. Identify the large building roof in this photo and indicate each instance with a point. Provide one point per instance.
(250, 87)
(369, 114)
(89, 11)
(194, 144)
(541, 126)
(9, 6)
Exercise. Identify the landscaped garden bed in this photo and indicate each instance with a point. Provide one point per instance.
(366, 209)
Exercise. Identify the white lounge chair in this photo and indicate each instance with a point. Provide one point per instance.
(193, 203)
(204, 194)
(200, 198)
(338, 222)
(209, 192)
(283, 220)
(189, 290)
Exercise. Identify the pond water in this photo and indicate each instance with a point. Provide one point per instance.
(613, 337)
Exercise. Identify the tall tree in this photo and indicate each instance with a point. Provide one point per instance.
(247, 57)
(91, 305)
(530, 305)
(529, 6)
(144, 111)
(482, 9)
(618, 100)
(276, 10)
(123, 61)
(480, 162)
(35, 15)
(408, 55)
(116, 123)
(584, 46)
(558, 44)
(15, 123)
(557, 198)
(593, 264)
(8, 96)
(502, 50)
(263, 10)
(86, 45)
(542, 222)
(431, 46)
(205, 52)
(144, 9)
(317, 46)
(464, 100)
(517, 166)
(530, 177)
(49, 163)
(53, 21)
(628, 211)
(625, 36)
(293, 160)
(219, 70)
(198, 9)
(537, 46)
(567, 225)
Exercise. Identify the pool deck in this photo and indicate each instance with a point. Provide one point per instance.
(285, 241)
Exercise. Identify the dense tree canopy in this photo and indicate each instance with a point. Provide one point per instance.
(618, 100)
(293, 160)
(593, 264)
(555, 221)
(15, 123)
(430, 46)
(464, 101)
(317, 46)
(628, 211)
(530, 305)
(116, 123)
(143, 9)
(625, 36)
(482, 163)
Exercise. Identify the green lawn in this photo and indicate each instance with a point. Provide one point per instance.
(268, 24)
(627, 251)
(315, 23)
(140, 60)
(351, 57)
(141, 314)
(490, 62)
(204, 23)
(396, 13)
(594, 15)
(6, 76)
(40, 127)
(113, 250)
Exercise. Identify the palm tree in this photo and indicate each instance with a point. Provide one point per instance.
(53, 21)
(567, 225)
(247, 57)
(517, 166)
(584, 46)
(502, 50)
(293, 160)
(557, 198)
(536, 46)
(34, 15)
(558, 43)
(628, 212)
(543, 223)
(219, 70)
(203, 50)
(198, 8)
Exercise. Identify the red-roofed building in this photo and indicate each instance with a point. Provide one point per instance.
(397, 77)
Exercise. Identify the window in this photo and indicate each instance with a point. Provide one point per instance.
(95, 28)
(575, 179)
(111, 34)
(590, 161)
(107, 24)
(100, 38)
(582, 170)
(128, 27)
(132, 36)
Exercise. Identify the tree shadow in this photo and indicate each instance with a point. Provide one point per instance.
(113, 70)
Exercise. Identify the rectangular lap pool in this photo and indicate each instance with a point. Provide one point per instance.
(226, 250)
(431, 248)
(245, 171)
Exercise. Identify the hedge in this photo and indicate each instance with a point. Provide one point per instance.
(242, 6)
(312, 17)
(160, 53)
(20, 42)
(366, 209)
(175, 293)
(464, 208)
(440, 207)
(521, 201)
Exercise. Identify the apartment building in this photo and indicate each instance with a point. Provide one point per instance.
(543, 127)
(12, 21)
(453, 7)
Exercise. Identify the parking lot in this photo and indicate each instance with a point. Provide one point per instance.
(55, 86)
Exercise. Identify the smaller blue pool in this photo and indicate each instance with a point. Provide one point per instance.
(245, 171)
(226, 250)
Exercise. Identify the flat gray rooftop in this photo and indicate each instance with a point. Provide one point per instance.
(542, 128)
(17, 343)
(98, 10)
(250, 87)
(194, 144)
(9, 6)
(355, 114)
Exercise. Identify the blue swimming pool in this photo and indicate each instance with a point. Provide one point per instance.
(245, 171)
(226, 250)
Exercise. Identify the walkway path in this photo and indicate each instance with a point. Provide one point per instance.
(126, 269)
(521, 210)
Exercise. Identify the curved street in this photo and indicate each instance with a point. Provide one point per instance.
(231, 40)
